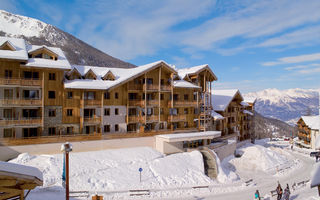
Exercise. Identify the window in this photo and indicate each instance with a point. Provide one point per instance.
(8, 93)
(116, 128)
(69, 112)
(185, 97)
(107, 111)
(69, 95)
(89, 113)
(35, 75)
(69, 130)
(106, 95)
(161, 111)
(8, 132)
(89, 95)
(185, 111)
(30, 113)
(133, 96)
(175, 97)
(149, 111)
(51, 130)
(8, 113)
(116, 111)
(174, 111)
(162, 81)
(106, 128)
(30, 94)
(8, 73)
(52, 113)
(149, 81)
(195, 96)
(52, 94)
(195, 111)
(132, 111)
(116, 96)
(52, 76)
(27, 75)
(162, 96)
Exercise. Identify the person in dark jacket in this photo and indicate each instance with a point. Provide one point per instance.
(279, 191)
(286, 194)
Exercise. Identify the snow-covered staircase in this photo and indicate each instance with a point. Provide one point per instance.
(210, 165)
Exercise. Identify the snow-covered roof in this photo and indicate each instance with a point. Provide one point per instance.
(122, 76)
(60, 63)
(194, 70)
(250, 100)
(315, 175)
(179, 137)
(20, 52)
(248, 112)
(18, 170)
(313, 122)
(216, 115)
(184, 84)
(245, 104)
(222, 98)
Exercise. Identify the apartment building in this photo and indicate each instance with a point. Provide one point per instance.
(308, 131)
(41, 94)
(31, 88)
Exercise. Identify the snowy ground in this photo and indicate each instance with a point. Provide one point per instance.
(112, 173)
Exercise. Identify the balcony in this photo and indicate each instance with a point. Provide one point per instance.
(135, 102)
(183, 103)
(152, 118)
(21, 82)
(152, 87)
(134, 87)
(22, 121)
(20, 102)
(166, 88)
(135, 119)
(92, 102)
(177, 118)
(152, 102)
(92, 120)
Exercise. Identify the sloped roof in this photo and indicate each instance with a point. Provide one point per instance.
(34, 48)
(122, 76)
(184, 84)
(313, 122)
(250, 100)
(222, 98)
(61, 63)
(216, 115)
(194, 70)
(20, 52)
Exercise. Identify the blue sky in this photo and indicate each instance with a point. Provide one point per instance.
(249, 44)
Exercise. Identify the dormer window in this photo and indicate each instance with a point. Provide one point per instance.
(109, 76)
(7, 46)
(43, 52)
(90, 75)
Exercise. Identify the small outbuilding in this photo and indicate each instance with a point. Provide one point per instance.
(15, 179)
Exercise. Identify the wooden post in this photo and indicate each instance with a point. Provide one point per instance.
(171, 76)
(204, 101)
(101, 113)
(81, 108)
(42, 95)
(145, 99)
(127, 116)
(159, 93)
(198, 103)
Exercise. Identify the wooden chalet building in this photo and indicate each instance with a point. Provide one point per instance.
(308, 130)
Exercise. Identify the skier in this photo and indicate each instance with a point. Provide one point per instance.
(286, 194)
(257, 195)
(279, 191)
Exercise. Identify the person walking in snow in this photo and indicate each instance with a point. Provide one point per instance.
(257, 195)
(286, 194)
(279, 191)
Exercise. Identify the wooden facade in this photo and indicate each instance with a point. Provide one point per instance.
(304, 132)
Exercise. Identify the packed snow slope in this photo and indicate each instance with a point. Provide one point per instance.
(286, 105)
(40, 33)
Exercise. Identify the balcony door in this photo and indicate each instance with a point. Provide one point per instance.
(8, 93)
(7, 113)
(30, 113)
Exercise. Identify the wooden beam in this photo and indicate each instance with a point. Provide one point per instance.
(159, 93)
(7, 182)
(145, 99)
(28, 186)
(101, 113)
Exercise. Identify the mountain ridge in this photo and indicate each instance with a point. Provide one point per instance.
(37, 32)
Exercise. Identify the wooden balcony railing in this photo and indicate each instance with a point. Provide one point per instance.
(20, 102)
(183, 103)
(177, 118)
(151, 118)
(136, 103)
(92, 120)
(135, 119)
(165, 87)
(92, 102)
(21, 121)
(22, 82)
(150, 87)
(152, 102)
(135, 87)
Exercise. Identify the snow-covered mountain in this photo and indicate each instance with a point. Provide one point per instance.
(40, 33)
(286, 105)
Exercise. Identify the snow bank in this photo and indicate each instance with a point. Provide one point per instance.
(260, 158)
(118, 169)
(225, 175)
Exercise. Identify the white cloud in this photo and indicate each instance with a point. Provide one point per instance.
(296, 67)
(294, 59)
(253, 21)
